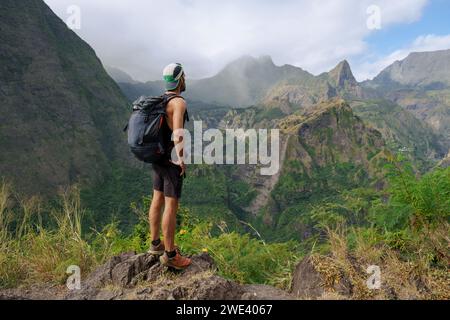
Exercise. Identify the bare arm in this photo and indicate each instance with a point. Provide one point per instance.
(179, 109)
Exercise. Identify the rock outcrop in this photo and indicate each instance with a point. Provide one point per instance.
(348, 277)
(131, 276)
(310, 282)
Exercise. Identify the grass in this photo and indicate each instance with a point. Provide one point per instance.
(402, 277)
(240, 257)
(405, 233)
(403, 229)
(33, 252)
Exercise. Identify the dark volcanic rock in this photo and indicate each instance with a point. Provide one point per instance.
(309, 283)
(125, 272)
(306, 280)
(131, 276)
(142, 277)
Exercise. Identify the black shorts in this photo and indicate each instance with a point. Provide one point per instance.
(167, 179)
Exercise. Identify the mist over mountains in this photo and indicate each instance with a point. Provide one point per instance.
(419, 85)
(249, 81)
(328, 145)
(63, 111)
(361, 177)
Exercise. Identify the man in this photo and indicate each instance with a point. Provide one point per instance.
(168, 175)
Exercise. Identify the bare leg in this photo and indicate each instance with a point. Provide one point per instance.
(169, 223)
(155, 214)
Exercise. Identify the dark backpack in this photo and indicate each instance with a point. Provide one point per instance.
(145, 128)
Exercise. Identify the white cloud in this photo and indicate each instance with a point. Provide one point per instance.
(141, 36)
(431, 42)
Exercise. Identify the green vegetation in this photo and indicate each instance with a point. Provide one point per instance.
(404, 230)
(402, 131)
(297, 193)
(110, 201)
(209, 192)
(238, 256)
(71, 132)
(33, 251)
(269, 114)
(404, 227)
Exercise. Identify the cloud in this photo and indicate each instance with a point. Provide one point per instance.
(431, 42)
(141, 36)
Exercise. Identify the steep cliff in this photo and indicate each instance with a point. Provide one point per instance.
(61, 113)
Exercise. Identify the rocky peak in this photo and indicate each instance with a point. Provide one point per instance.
(243, 82)
(248, 65)
(342, 75)
(266, 59)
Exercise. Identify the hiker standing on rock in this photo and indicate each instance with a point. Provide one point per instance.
(168, 174)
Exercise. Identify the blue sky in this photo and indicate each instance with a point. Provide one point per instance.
(435, 20)
(429, 32)
(142, 36)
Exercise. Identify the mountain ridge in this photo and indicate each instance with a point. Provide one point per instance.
(59, 106)
(325, 142)
(421, 85)
(120, 76)
(418, 69)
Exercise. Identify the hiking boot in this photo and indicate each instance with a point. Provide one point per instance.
(178, 262)
(157, 250)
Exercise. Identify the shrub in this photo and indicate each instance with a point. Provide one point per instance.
(30, 252)
(240, 257)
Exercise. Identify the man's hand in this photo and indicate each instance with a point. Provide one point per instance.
(182, 165)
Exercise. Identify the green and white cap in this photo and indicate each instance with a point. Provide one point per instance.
(172, 75)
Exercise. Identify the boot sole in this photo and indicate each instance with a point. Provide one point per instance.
(156, 253)
(166, 264)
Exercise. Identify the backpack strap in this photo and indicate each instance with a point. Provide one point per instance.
(169, 97)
